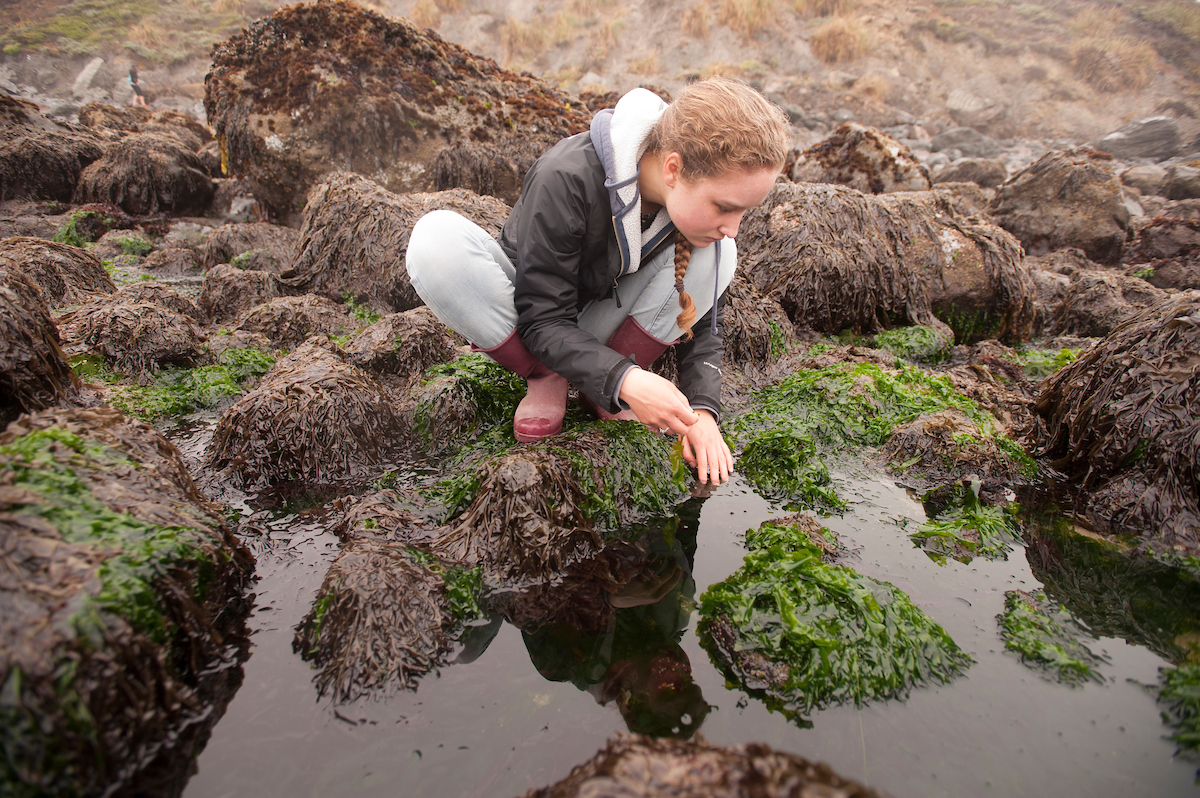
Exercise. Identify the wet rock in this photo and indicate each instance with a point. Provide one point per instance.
(461, 401)
(836, 258)
(19, 117)
(986, 172)
(1155, 137)
(148, 173)
(992, 375)
(91, 221)
(862, 158)
(256, 246)
(492, 168)
(1068, 198)
(287, 321)
(403, 344)
(385, 515)
(173, 261)
(1099, 301)
(644, 767)
(134, 338)
(1146, 179)
(1181, 182)
(29, 218)
(970, 142)
(228, 292)
(160, 295)
(1166, 253)
(755, 329)
(45, 165)
(64, 275)
(34, 374)
(355, 233)
(1124, 424)
(313, 419)
(316, 88)
(118, 121)
(124, 626)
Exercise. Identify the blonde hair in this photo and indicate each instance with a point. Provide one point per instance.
(717, 125)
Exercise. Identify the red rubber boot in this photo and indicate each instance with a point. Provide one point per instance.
(540, 413)
(632, 341)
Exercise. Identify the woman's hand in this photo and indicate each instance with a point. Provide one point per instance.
(657, 402)
(704, 449)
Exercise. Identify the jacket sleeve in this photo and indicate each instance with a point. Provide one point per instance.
(700, 362)
(549, 232)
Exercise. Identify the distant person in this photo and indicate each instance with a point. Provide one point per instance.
(138, 98)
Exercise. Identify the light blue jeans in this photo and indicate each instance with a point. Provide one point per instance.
(465, 278)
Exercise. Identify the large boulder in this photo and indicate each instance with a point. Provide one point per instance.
(1155, 137)
(1181, 182)
(1097, 301)
(1146, 179)
(114, 122)
(1067, 198)
(326, 86)
(34, 374)
(45, 166)
(64, 274)
(836, 258)
(148, 173)
(862, 158)
(355, 234)
(1124, 425)
(258, 246)
(121, 593)
(134, 338)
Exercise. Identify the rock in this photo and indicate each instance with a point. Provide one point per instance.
(316, 88)
(115, 122)
(1069, 198)
(1146, 179)
(84, 79)
(1097, 302)
(755, 328)
(228, 291)
(34, 374)
(972, 111)
(160, 295)
(986, 172)
(1124, 425)
(1181, 182)
(173, 261)
(355, 233)
(862, 158)
(148, 173)
(124, 623)
(1155, 137)
(403, 344)
(45, 165)
(646, 767)
(1050, 291)
(313, 420)
(287, 321)
(493, 168)
(257, 246)
(19, 118)
(969, 141)
(64, 275)
(835, 258)
(134, 338)
(1166, 253)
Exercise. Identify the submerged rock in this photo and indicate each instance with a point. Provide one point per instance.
(1124, 424)
(64, 274)
(355, 234)
(1048, 638)
(148, 173)
(330, 86)
(121, 595)
(862, 158)
(34, 374)
(45, 166)
(643, 767)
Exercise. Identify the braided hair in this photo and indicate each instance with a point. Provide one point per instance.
(687, 313)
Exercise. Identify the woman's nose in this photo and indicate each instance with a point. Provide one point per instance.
(730, 228)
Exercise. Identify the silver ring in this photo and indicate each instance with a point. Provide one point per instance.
(664, 430)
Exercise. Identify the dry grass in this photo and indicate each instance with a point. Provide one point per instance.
(747, 16)
(1094, 23)
(824, 8)
(873, 86)
(1180, 16)
(604, 36)
(226, 6)
(695, 22)
(839, 40)
(149, 34)
(1114, 64)
(647, 65)
(584, 8)
(452, 6)
(522, 40)
(424, 14)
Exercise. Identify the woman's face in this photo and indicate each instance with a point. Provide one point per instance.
(712, 208)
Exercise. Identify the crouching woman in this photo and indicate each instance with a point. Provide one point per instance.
(621, 245)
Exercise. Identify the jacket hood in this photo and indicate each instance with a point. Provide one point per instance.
(619, 136)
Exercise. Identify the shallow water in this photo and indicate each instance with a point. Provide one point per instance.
(496, 727)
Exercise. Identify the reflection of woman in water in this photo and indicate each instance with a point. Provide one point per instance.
(138, 98)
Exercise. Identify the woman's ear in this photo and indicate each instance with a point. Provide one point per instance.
(672, 169)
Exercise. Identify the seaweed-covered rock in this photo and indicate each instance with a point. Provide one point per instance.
(261, 245)
(836, 258)
(45, 166)
(462, 400)
(756, 329)
(862, 158)
(121, 598)
(329, 86)
(287, 321)
(313, 419)
(403, 344)
(1124, 423)
(986, 172)
(173, 261)
(1166, 253)
(64, 274)
(34, 374)
(134, 338)
(963, 523)
(492, 168)
(355, 234)
(1067, 198)
(228, 292)
(118, 121)
(158, 294)
(916, 343)
(806, 634)
(1097, 302)
(148, 173)
(1180, 697)
(20, 117)
(1046, 637)
(644, 767)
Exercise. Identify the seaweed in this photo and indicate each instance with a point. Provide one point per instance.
(966, 527)
(1041, 363)
(917, 343)
(75, 230)
(177, 391)
(805, 634)
(1047, 637)
(1179, 694)
(462, 400)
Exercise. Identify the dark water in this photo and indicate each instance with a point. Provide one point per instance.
(498, 727)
